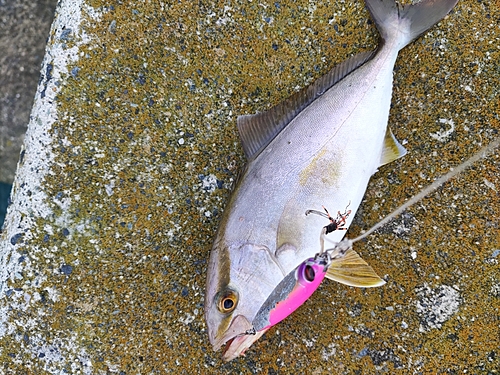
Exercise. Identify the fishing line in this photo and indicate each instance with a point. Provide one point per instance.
(429, 189)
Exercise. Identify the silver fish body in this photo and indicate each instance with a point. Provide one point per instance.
(324, 156)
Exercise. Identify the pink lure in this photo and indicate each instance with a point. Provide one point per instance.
(291, 292)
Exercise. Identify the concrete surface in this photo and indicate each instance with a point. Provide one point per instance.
(132, 147)
(24, 27)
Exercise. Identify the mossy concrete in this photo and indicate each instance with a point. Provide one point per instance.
(128, 161)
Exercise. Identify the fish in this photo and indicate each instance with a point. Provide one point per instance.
(318, 148)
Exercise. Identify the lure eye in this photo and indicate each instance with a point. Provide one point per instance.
(227, 301)
(309, 273)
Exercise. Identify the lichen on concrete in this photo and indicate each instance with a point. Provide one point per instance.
(105, 250)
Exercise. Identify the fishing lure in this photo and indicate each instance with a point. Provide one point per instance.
(292, 292)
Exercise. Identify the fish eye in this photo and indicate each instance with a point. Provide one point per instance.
(309, 273)
(227, 301)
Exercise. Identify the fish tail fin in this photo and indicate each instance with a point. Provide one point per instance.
(403, 23)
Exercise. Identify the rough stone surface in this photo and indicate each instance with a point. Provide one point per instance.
(132, 148)
(24, 26)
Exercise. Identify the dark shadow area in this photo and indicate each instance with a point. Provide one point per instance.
(4, 199)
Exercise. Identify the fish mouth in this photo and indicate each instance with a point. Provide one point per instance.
(236, 338)
(238, 327)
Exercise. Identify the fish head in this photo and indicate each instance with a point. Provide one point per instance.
(240, 278)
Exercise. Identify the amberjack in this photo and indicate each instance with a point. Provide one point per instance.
(318, 148)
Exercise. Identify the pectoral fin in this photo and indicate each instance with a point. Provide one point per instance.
(353, 271)
(392, 148)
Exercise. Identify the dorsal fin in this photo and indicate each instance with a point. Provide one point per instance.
(258, 130)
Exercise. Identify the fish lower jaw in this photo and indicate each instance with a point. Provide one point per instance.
(237, 346)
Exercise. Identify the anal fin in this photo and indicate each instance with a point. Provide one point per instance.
(392, 148)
